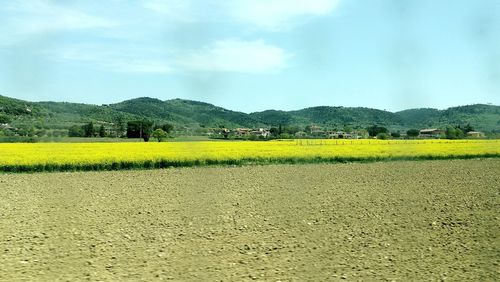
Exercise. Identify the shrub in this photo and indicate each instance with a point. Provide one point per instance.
(159, 134)
(382, 136)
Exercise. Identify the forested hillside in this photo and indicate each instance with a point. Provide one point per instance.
(193, 115)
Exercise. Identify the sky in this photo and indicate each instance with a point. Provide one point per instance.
(253, 55)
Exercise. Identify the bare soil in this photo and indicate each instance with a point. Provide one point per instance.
(420, 220)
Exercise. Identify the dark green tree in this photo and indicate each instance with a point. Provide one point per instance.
(75, 131)
(382, 136)
(4, 119)
(291, 129)
(395, 134)
(88, 130)
(120, 126)
(413, 133)
(347, 128)
(454, 133)
(28, 131)
(308, 129)
(102, 131)
(468, 128)
(140, 129)
(166, 127)
(274, 131)
(374, 130)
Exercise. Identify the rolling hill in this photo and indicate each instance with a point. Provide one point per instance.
(193, 114)
(185, 112)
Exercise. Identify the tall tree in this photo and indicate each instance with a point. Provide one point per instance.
(102, 131)
(88, 130)
(119, 126)
(140, 129)
(167, 127)
(454, 132)
(75, 131)
(374, 130)
(413, 133)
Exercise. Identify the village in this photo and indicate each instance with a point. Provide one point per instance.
(314, 131)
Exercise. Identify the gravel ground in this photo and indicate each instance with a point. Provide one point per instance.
(420, 220)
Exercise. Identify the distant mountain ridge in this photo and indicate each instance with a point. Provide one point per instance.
(194, 114)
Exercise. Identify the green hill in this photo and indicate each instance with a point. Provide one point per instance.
(330, 117)
(481, 117)
(190, 115)
(186, 113)
(15, 107)
(337, 117)
(71, 112)
(274, 117)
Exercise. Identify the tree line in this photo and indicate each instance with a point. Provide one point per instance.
(451, 132)
(144, 129)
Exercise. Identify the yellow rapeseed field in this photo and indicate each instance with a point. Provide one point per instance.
(75, 155)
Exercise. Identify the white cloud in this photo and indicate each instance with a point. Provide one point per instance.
(274, 15)
(115, 61)
(137, 66)
(278, 14)
(222, 56)
(24, 19)
(236, 56)
(173, 9)
(230, 56)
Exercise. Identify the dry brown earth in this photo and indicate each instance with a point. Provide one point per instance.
(423, 220)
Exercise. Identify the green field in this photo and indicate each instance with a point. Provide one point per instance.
(388, 221)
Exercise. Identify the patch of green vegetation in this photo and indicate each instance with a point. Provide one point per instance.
(36, 119)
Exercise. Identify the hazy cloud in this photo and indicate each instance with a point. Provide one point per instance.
(22, 19)
(173, 9)
(112, 60)
(231, 55)
(278, 14)
(236, 55)
(273, 15)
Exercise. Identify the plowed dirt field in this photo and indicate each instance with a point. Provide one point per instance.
(418, 220)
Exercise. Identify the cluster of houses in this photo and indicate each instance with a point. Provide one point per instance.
(437, 133)
(246, 132)
(312, 131)
(316, 131)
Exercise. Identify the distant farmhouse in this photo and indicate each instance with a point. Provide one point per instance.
(242, 132)
(431, 133)
(475, 134)
(261, 132)
(340, 135)
(246, 132)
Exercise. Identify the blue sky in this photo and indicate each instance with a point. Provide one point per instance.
(253, 55)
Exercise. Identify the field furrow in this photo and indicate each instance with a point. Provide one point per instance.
(385, 221)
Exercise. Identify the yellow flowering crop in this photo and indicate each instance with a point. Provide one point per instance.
(108, 155)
